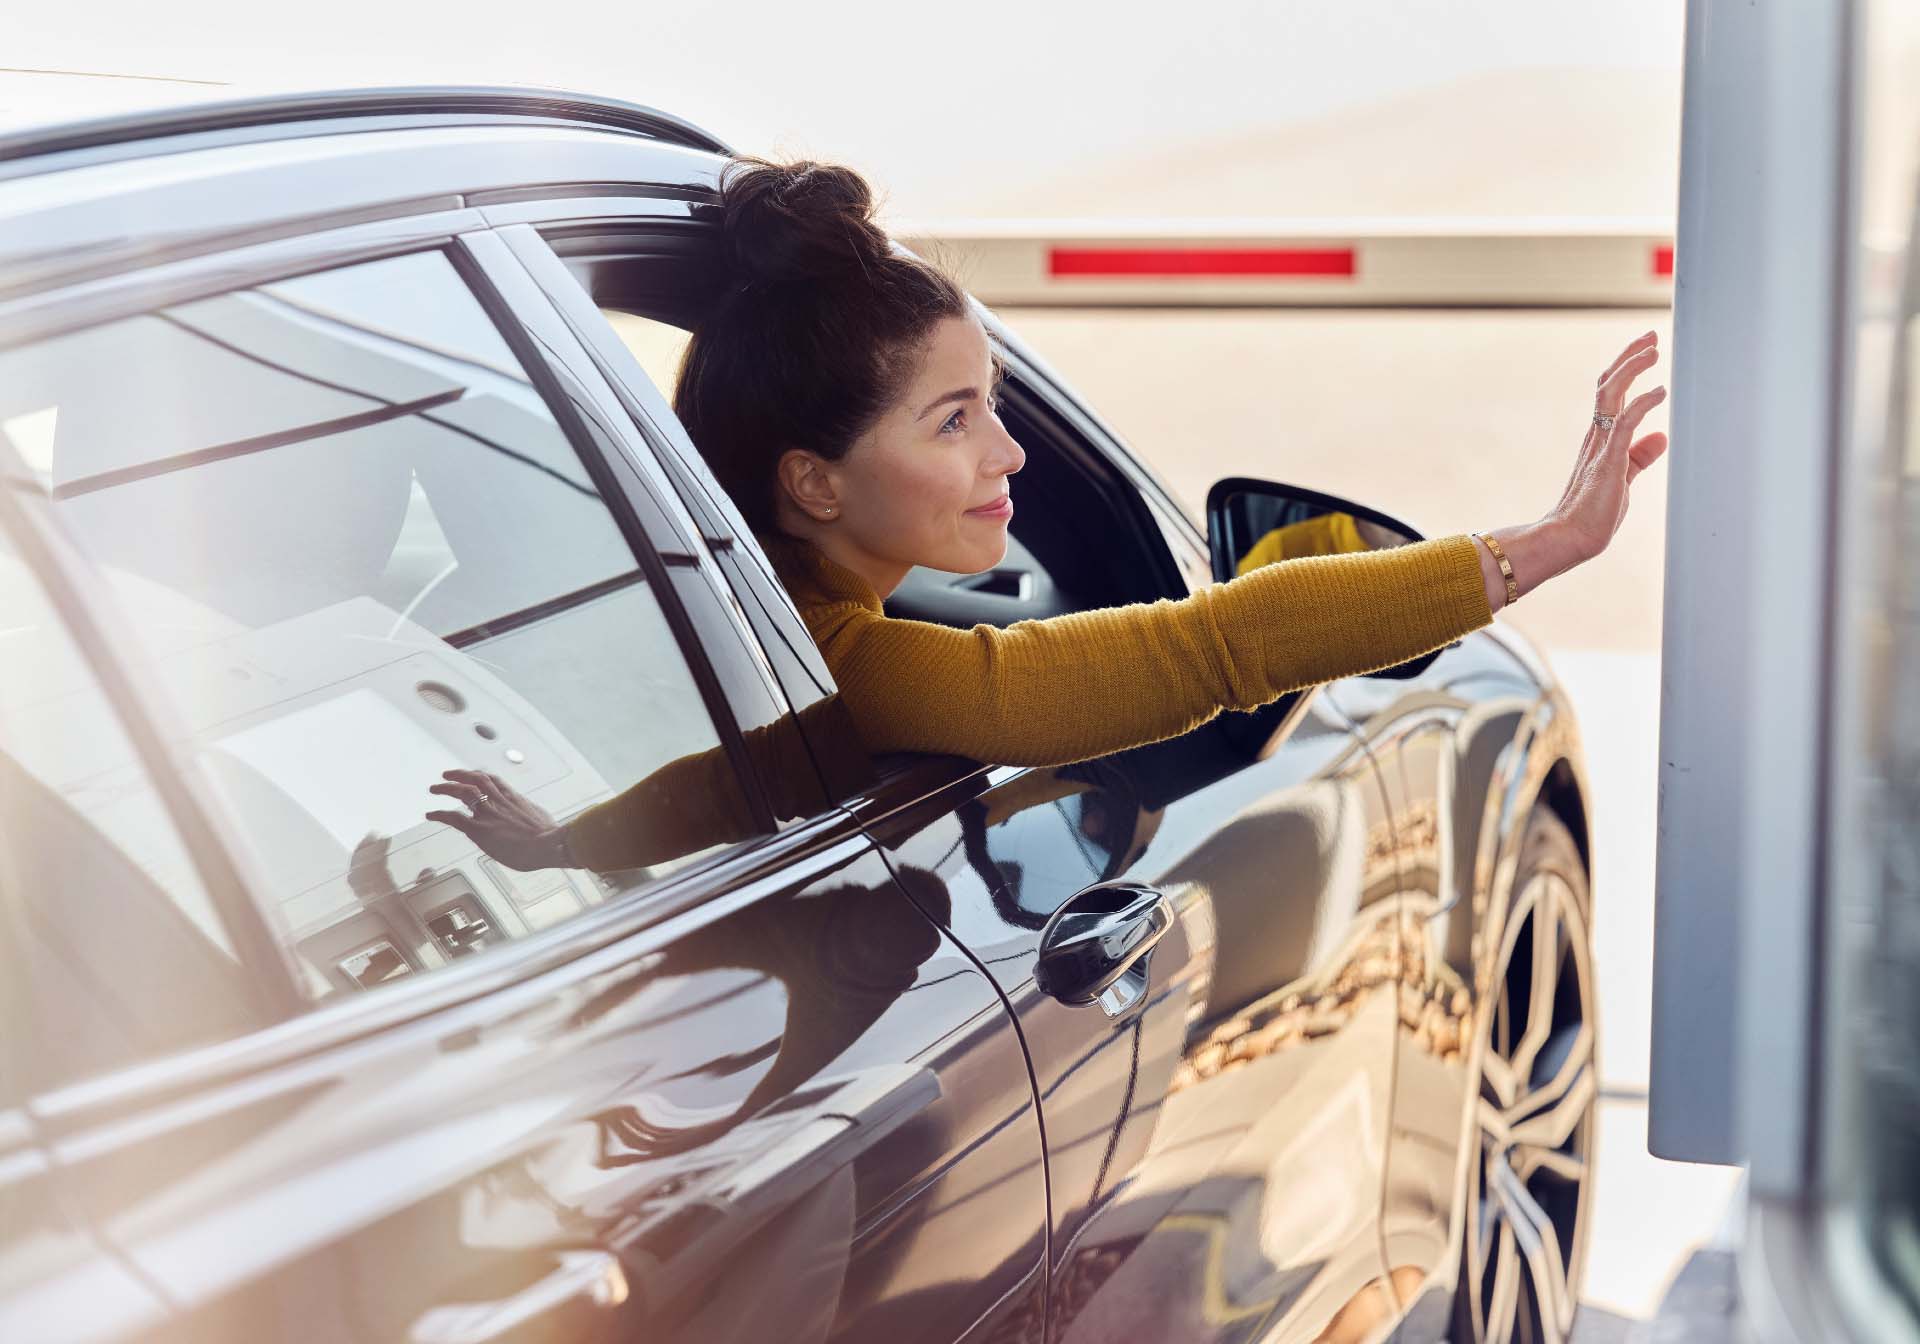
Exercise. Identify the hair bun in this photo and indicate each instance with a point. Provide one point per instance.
(800, 220)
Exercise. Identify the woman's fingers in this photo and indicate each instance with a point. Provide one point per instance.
(1633, 348)
(1629, 419)
(1613, 387)
(459, 791)
(460, 822)
(484, 780)
(509, 823)
(1645, 453)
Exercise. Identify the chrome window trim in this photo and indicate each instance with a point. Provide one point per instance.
(579, 206)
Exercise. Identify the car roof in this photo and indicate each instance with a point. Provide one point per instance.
(84, 197)
(46, 116)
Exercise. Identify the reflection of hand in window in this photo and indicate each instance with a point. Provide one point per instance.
(508, 827)
(367, 871)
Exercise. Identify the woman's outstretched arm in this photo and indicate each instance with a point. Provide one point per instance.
(1084, 685)
(1090, 683)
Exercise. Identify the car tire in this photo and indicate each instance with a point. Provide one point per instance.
(1529, 1186)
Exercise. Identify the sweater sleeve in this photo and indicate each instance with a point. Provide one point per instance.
(1049, 692)
(685, 806)
(695, 802)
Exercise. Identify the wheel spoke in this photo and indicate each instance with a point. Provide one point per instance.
(1500, 1076)
(1484, 1247)
(1547, 1118)
(1528, 1161)
(1568, 1054)
(1540, 1248)
(1544, 983)
(1503, 1304)
(1539, 1082)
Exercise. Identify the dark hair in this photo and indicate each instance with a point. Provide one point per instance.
(820, 328)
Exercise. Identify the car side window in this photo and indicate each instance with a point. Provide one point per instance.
(102, 913)
(358, 550)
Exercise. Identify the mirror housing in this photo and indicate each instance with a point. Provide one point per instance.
(1252, 522)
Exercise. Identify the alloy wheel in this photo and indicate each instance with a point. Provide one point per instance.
(1526, 1225)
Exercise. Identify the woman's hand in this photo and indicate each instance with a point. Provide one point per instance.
(1595, 501)
(508, 826)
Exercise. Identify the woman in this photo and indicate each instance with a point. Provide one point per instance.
(845, 396)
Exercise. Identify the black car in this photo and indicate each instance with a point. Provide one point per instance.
(338, 451)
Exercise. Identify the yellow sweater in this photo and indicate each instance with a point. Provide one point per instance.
(1073, 687)
(1328, 534)
(1050, 692)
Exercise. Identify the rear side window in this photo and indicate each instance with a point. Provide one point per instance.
(358, 551)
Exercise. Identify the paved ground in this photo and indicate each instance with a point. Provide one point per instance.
(1456, 421)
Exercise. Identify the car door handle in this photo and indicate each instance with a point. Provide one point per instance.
(592, 1276)
(1094, 948)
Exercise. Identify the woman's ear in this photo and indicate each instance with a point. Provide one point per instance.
(804, 481)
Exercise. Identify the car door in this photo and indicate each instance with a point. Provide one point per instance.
(740, 1085)
(1215, 1121)
(1215, 1130)
(1250, 1207)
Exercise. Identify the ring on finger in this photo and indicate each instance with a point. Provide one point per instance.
(1604, 420)
(480, 800)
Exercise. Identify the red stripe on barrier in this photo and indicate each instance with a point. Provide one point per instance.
(1663, 260)
(1165, 262)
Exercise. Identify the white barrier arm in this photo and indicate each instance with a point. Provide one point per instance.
(1355, 263)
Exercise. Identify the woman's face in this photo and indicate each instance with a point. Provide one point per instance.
(927, 484)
